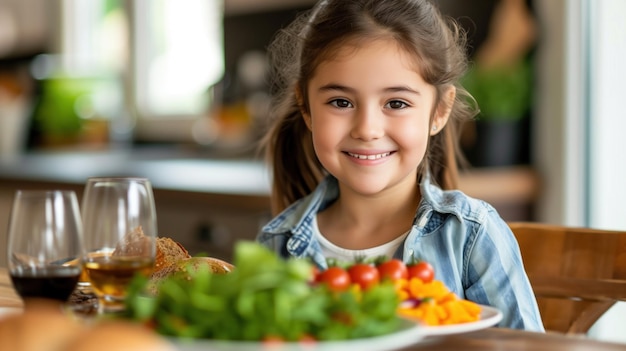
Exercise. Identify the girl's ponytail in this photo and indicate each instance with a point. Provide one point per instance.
(295, 169)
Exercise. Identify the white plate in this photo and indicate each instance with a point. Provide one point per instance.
(489, 316)
(410, 334)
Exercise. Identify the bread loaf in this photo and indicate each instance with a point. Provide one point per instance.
(135, 243)
(168, 253)
(173, 258)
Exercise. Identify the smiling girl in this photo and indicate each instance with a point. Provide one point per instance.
(364, 153)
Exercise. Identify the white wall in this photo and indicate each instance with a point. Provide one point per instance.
(581, 122)
(608, 114)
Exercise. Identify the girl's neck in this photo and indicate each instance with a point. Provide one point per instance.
(359, 222)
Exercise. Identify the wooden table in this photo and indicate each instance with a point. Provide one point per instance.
(514, 340)
(8, 296)
(484, 340)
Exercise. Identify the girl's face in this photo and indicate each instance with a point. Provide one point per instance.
(370, 115)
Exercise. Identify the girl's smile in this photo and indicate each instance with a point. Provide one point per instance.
(371, 156)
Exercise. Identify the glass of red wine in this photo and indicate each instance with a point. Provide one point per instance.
(45, 244)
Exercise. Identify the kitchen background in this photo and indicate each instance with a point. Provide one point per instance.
(159, 79)
(111, 72)
(138, 87)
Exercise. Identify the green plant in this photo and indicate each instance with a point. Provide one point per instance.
(502, 93)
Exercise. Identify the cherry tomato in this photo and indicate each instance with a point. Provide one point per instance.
(422, 270)
(365, 275)
(307, 339)
(336, 278)
(393, 269)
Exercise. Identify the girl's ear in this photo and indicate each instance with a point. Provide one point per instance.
(442, 113)
(305, 115)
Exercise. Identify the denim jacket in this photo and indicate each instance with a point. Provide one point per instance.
(470, 246)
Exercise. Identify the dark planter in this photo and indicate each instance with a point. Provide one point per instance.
(499, 143)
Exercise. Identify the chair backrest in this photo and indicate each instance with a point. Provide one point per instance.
(577, 274)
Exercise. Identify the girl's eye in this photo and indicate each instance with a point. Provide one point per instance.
(340, 103)
(396, 104)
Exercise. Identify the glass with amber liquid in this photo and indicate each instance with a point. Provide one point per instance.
(45, 244)
(120, 226)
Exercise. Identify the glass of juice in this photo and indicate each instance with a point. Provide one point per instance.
(45, 244)
(120, 225)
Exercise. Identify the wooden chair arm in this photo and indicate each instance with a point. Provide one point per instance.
(579, 289)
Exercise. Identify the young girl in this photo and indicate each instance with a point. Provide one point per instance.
(364, 151)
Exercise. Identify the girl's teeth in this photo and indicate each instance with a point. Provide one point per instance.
(369, 157)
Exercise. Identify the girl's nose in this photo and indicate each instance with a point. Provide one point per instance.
(369, 124)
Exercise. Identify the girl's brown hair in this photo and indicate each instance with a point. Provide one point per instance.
(437, 43)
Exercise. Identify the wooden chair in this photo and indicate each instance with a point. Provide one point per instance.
(577, 274)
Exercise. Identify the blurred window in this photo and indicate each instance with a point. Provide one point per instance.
(166, 54)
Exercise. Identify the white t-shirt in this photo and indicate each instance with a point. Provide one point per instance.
(333, 251)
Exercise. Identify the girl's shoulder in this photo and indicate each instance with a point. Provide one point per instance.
(444, 203)
(452, 200)
(455, 214)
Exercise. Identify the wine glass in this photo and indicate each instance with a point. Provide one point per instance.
(45, 244)
(119, 220)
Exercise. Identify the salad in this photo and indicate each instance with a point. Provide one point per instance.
(265, 298)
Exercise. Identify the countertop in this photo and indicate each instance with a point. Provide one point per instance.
(166, 170)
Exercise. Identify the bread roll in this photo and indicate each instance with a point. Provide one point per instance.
(215, 265)
(119, 336)
(187, 266)
(41, 327)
